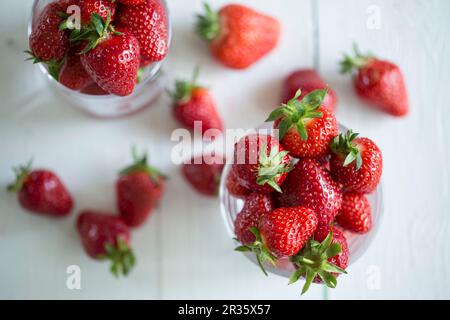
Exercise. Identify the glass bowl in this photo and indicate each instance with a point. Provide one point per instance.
(152, 84)
(358, 244)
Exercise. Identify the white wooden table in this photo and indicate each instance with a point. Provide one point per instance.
(184, 251)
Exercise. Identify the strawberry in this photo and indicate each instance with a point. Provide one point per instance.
(139, 190)
(131, 2)
(355, 214)
(100, 7)
(195, 103)
(238, 35)
(234, 188)
(72, 74)
(282, 233)
(307, 80)
(260, 163)
(356, 163)
(256, 205)
(110, 57)
(105, 236)
(94, 90)
(41, 191)
(305, 128)
(48, 43)
(378, 82)
(149, 24)
(310, 185)
(203, 175)
(324, 257)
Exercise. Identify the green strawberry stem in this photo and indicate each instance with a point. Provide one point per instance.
(95, 32)
(208, 24)
(358, 61)
(141, 165)
(312, 261)
(53, 66)
(22, 173)
(271, 167)
(184, 88)
(121, 256)
(258, 247)
(343, 145)
(296, 113)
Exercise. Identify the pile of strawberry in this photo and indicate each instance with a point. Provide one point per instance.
(302, 190)
(104, 55)
(104, 236)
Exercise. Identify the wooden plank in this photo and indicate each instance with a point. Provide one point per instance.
(416, 177)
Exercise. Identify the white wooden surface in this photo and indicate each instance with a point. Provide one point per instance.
(184, 251)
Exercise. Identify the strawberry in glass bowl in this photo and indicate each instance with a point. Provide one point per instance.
(103, 57)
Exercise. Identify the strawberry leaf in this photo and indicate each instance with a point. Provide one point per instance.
(313, 260)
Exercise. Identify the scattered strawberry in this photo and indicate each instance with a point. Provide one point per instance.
(324, 257)
(47, 42)
(310, 185)
(100, 7)
(204, 175)
(139, 190)
(355, 214)
(379, 82)
(111, 57)
(307, 80)
(72, 74)
(234, 188)
(105, 236)
(195, 103)
(356, 163)
(239, 36)
(256, 205)
(305, 128)
(41, 191)
(282, 233)
(260, 163)
(148, 22)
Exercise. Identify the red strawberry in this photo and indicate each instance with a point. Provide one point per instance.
(234, 188)
(72, 74)
(355, 214)
(379, 82)
(105, 236)
(94, 90)
(305, 129)
(111, 57)
(310, 185)
(194, 103)
(100, 7)
(286, 230)
(204, 175)
(41, 191)
(131, 2)
(260, 163)
(139, 190)
(356, 163)
(256, 205)
(149, 24)
(282, 233)
(239, 36)
(324, 257)
(47, 41)
(307, 80)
